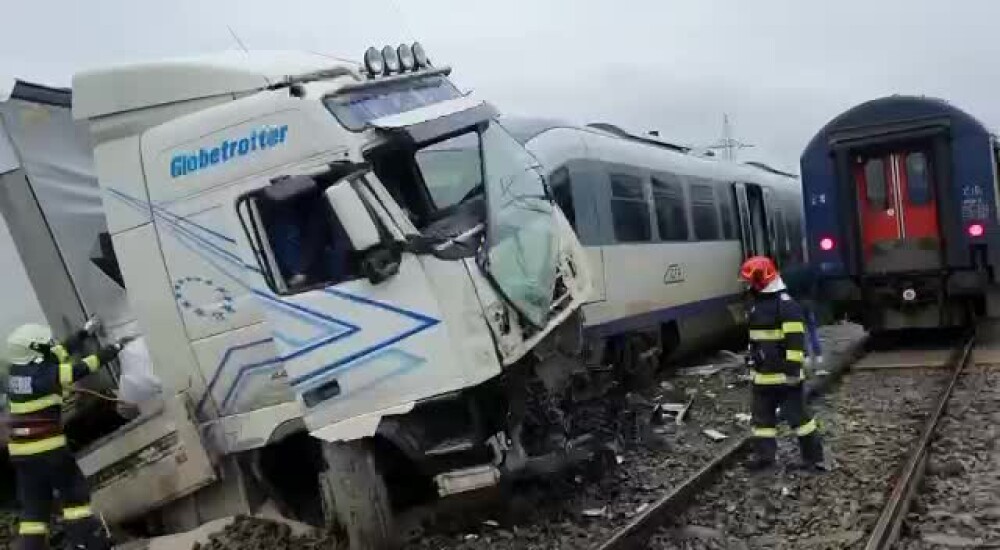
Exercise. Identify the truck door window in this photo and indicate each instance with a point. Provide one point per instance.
(298, 242)
(452, 169)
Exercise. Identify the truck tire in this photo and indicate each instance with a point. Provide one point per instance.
(355, 498)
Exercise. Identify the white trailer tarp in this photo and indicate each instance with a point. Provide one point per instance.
(43, 146)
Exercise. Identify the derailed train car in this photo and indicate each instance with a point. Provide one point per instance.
(900, 200)
(665, 232)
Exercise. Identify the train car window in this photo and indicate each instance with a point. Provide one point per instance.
(878, 197)
(704, 213)
(562, 193)
(793, 223)
(780, 234)
(671, 215)
(629, 209)
(727, 210)
(918, 183)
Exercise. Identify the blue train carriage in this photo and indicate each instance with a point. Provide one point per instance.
(900, 200)
(665, 231)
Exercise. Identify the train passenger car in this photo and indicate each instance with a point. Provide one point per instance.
(900, 201)
(665, 232)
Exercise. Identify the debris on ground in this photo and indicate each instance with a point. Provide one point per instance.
(8, 527)
(715, 435)
(547, 513)
(595, 512)
(264, 534)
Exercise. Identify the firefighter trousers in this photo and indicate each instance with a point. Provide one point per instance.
(767, 399)
(39, 477)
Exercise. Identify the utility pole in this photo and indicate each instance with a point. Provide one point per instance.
(728, 143)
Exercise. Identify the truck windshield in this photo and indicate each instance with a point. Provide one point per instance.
(521, 236)
(356, 109)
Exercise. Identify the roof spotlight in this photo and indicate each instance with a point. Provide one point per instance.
(406, 59)
(420, 55)
(391, 59)
(373, 62)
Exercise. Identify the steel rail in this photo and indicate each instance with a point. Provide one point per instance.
(634, 534)
(886, 531)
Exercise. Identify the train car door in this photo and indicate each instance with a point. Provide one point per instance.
(754, 227)
(898, 211)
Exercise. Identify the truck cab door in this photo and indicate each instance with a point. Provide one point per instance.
(357, 323)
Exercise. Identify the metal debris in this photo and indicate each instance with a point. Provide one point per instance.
(714, 435)
(595, 512)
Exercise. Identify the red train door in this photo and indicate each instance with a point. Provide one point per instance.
(898, 212)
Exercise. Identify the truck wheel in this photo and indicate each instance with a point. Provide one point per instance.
(355, 497)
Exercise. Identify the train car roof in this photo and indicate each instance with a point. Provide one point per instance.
(894, 109)
(652, 152)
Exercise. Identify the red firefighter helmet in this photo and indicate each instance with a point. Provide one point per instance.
(759, 271)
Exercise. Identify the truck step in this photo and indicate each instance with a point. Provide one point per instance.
(467, 479)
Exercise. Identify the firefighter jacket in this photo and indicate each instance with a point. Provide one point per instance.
(36, 391)
(777, 339)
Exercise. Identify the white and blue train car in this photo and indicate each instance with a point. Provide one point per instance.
(665, 232)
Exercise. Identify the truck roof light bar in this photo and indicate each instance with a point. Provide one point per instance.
(391, 59)
(374, 63)
(407, 61)
(420, 56)
(403, 77)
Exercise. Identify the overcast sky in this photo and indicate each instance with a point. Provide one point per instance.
(781, 68)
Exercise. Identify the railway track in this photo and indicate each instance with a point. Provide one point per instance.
(876, 421)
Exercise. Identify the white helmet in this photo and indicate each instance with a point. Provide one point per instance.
(24, 345)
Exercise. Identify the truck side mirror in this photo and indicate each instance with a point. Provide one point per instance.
(379, 262)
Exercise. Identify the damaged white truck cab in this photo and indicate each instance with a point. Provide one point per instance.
(346, 269)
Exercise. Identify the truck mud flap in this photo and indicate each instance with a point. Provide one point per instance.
(155, 459)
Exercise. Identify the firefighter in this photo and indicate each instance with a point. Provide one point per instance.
(41, 375)
(777, 355)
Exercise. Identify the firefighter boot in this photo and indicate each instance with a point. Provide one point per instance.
(811, 449)
(765, 449)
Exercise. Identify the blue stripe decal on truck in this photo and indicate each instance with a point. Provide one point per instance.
(336, 329)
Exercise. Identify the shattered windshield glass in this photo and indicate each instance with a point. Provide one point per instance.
(522, 243)
(522, 249)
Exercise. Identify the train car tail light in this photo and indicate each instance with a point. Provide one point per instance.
(976, 230)
(826, 244)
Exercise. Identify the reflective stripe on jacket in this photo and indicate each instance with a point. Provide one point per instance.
(35, 393)
(777, 339)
